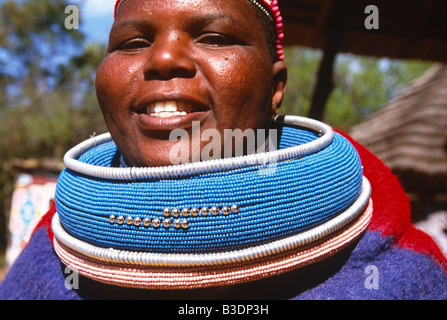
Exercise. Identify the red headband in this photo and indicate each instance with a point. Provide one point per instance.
(272, 11)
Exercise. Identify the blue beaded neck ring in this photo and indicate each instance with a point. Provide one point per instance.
(211, 206)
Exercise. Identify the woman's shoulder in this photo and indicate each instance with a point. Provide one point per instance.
(392, 209)
(37, 273)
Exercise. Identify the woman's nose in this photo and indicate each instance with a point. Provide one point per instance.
(170, 57)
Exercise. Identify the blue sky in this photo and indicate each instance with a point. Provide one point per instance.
(96, 19)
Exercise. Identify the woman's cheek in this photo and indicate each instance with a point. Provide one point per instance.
(117, 76)
(240, 83)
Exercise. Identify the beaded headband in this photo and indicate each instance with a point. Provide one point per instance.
(268, 7)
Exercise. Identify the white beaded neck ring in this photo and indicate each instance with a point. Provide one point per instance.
(188, 169)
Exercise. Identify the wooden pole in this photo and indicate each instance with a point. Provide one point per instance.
(334, 30)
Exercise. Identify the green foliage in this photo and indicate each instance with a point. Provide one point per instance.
(362, 84)
(48, 102)
(302, 68)
(365, 84)
(33, 38)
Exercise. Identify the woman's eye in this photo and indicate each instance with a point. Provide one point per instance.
(216, 40)
(134, 45)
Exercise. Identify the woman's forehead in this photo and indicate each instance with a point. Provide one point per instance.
(198, 7)
(268, 8)
(189, 15)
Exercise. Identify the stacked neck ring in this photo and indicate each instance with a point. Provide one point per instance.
(239, 219)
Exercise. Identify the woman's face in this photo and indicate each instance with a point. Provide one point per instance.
(172, 62)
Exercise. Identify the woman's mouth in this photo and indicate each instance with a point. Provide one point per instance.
(171, 114)
(168, 109)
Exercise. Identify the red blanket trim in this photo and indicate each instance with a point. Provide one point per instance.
(46, 221)
(392, 212)
(389, 198)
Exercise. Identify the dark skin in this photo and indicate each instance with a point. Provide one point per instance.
(213, 56)
(210, 55)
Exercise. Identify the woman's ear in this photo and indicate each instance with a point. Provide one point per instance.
(278, 87)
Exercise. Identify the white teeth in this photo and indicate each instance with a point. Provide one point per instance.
(159, 107)
(167, 109)
(171, 106)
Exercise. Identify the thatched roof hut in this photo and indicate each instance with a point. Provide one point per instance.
(410, 135)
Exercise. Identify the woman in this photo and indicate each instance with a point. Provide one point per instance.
(183, 200)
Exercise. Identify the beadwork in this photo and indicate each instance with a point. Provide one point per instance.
(300, 146)
(154, 276)
(175, 213)
(317, 176)
(224, 225)
(223, 257)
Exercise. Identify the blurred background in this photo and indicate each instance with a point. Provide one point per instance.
(385, 86)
